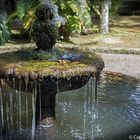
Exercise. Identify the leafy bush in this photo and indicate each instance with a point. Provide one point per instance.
(4, 32)
(76, 13)
(74, 24)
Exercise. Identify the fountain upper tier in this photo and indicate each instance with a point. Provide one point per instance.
(19, 65)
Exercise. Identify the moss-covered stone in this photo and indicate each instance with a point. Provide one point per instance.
(19, 64)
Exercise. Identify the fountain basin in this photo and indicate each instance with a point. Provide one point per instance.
(46, 78)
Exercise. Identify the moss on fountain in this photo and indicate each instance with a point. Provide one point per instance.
(19, 64)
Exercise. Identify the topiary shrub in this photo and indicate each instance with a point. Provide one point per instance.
(43, 32)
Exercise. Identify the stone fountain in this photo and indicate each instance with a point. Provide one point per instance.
(47, 70)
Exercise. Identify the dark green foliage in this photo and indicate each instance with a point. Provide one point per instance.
(114, 9)
(42, 31)
(95, 8)
(24, 12)
(43, 12)
(4, 32)
(44, 34)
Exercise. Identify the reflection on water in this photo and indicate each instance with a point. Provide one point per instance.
(115, 115)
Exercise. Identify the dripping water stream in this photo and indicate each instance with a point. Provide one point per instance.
(19, 105)
(1, 108)
(34, 94)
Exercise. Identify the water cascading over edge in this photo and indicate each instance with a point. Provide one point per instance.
(42, 76)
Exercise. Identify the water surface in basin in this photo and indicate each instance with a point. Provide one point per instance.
(115, 115)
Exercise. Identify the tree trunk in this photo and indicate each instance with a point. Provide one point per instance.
(105, 17)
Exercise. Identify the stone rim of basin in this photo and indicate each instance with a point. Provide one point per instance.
(89, 64)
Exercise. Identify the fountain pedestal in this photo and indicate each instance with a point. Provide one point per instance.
(45, 102)
(45, 109)
(47, 90)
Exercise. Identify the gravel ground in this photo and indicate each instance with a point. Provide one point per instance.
(122, 63)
